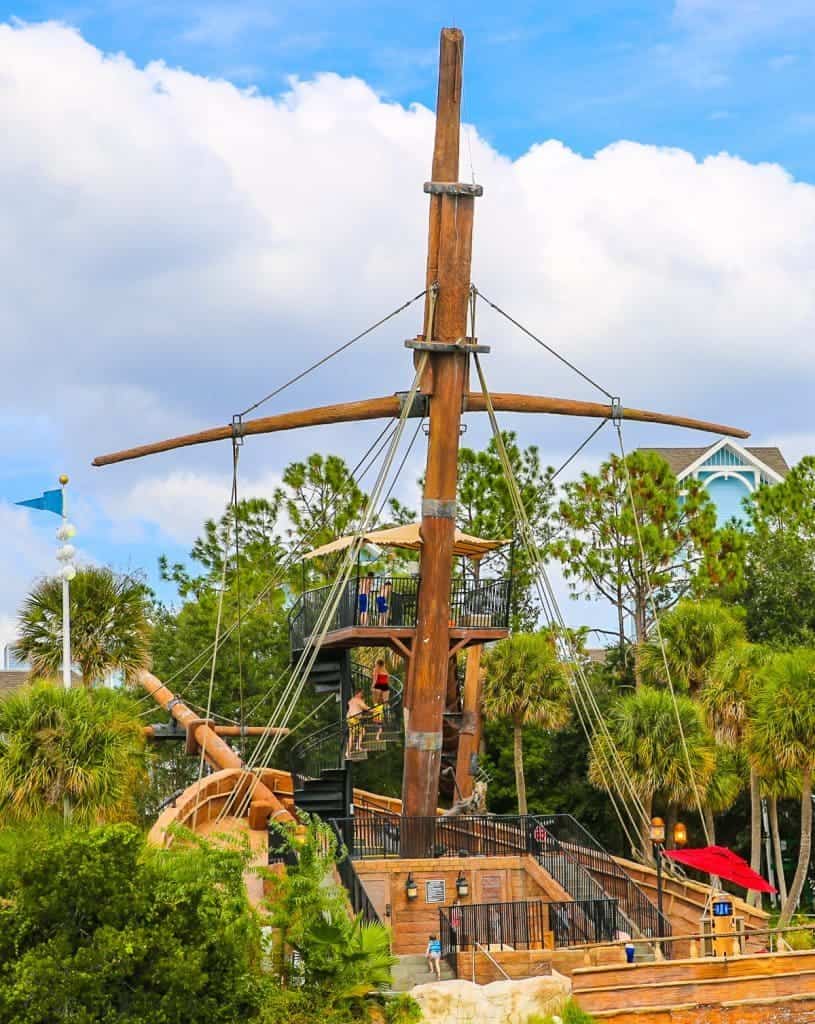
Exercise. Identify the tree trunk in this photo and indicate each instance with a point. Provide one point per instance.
(710, 825)
(621, 628)
(645, 832)
(772, 803)
(640, 611)
(520, 781)
(671, 817)
(802, 869)
(754, 898)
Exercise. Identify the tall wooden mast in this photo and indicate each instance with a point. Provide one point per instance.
(445, 383)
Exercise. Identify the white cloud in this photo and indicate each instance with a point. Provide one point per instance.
(172, 247)
(179, 502)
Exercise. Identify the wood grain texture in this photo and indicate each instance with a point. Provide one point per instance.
(388, 406)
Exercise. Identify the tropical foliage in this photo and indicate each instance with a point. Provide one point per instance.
(97, 926)
(85, 747)
(784, 731)
(340, 957)
(110, 625)
(661, 745)
(526, 683)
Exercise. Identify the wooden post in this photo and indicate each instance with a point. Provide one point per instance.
(469, 739)
(448, 267)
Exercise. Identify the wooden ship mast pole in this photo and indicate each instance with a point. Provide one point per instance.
(445, 382)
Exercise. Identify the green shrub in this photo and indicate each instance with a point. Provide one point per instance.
(403, 1010)
(571, 1014)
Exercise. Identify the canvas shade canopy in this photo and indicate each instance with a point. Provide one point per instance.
(718, 860)
(410, 538)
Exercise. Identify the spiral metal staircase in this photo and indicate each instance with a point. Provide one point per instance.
(321, 763)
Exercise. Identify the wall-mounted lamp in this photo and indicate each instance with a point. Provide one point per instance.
(462, 886)
(411, 889)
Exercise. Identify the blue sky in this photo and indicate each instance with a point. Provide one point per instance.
(170, 246)
(706, 75)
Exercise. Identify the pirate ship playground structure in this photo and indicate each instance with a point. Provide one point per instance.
(511, 896)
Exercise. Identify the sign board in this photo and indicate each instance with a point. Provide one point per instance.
(540, 834)
(435, 891)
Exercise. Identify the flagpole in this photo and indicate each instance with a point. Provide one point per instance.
(66, 602)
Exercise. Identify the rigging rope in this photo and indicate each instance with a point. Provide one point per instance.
(281, 569)
(235, 458)
(549, 602)
(286, 704)
(332, 354)
(654, 612)
(543, 344)
(225, 557)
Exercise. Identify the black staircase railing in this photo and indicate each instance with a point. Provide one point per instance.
(608, 874)
(587, 873)
(334, 744)
(392, 601)
(358, 897)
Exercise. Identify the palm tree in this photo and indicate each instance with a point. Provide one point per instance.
(110, 629)
(644, 729)
(83, 746)
(783, 731)
(695, 634)
(727, 698)
(526, 682)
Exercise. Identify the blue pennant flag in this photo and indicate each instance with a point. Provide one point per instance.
(51, 501)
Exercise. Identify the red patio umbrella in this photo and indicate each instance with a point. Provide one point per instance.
(718, 860)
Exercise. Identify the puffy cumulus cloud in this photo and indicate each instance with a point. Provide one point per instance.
(178, 502)
(172, 246)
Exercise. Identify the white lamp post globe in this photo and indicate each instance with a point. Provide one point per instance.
(66, 531)
(68, 572)
(66, 553)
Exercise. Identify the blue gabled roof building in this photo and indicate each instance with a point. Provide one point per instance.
(729, 471)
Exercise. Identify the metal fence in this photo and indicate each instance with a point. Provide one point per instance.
(364, 601)
(558, 843)
(384, 601)
(358, 897)
(523, 925)
(607, 873)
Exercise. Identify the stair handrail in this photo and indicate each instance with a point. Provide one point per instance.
(358, 897)
(634, 903)
(338, 732)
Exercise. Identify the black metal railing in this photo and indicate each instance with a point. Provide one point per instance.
(357, 896)
(569, 854)
(581, 922)
(364, 601)
(332, 745)
(523, 925)
(609, 876)
(392, 601)
(480, 604)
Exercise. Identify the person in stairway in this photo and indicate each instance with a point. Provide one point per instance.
(364, 598)
(383, 603)
(356, 706)
(433, 956)
(381, 693)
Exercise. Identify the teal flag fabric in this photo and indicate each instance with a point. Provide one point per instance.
(51, 501)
